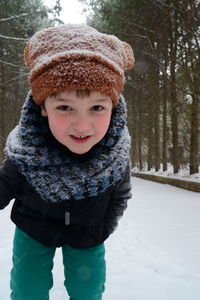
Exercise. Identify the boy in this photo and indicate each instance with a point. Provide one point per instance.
(67, 162)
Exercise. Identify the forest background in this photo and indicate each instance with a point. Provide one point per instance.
(162, 91)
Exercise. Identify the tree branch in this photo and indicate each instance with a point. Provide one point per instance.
(10, 64)
(13, 17)
(12, 38)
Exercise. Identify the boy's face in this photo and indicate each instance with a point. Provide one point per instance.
(78, 122)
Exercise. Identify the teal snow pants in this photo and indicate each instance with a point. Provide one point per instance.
(31, 276)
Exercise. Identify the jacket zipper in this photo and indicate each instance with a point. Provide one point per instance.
(67, 213)
(67, 218)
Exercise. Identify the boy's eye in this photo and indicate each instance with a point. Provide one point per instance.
(63, 107)
(97, 108)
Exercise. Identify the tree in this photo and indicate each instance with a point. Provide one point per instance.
(19, 20)
(165, 81)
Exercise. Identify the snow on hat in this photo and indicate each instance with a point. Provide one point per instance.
(76, 57)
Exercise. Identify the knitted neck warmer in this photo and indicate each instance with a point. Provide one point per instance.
(56, 173)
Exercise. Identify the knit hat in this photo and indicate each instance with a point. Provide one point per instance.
(76, 57)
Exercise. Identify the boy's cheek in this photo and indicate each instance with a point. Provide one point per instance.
(57, 124)
(103, 125)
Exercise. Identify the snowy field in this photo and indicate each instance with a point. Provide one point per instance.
(153, 255)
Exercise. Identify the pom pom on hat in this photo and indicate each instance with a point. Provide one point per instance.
(76, 57)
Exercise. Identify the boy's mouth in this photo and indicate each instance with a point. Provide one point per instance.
(80, 138)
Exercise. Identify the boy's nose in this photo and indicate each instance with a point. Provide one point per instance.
(81, 124)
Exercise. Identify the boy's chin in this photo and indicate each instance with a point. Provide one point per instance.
(79, 151)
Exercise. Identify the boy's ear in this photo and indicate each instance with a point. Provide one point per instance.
(43, 110)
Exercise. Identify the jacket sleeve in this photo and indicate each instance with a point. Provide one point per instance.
(7, 183)
(118, 202)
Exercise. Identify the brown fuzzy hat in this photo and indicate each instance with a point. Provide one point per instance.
(76, 57)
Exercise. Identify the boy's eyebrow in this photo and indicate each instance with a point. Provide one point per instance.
(102, 100)
(63, 99)
(60, 99)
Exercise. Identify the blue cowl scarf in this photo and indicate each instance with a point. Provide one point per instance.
(56, 173)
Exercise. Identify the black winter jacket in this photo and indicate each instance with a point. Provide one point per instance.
(92, 219)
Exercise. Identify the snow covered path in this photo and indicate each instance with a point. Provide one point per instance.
(153, 255)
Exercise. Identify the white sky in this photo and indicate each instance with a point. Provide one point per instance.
(72, 11)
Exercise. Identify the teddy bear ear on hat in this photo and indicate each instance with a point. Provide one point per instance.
(129, 56)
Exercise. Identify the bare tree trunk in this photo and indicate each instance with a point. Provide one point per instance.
(132, 124)
(174, 101)
(174, 119)
(194, 139)
(140, 152)
(164, 135)
(193, 73)
(157, 121)
(150, 148)
(140, 137)
(2, 112)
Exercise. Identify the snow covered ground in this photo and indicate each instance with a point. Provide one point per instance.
(153, 255)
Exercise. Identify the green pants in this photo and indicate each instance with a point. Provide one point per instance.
(31, 276)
